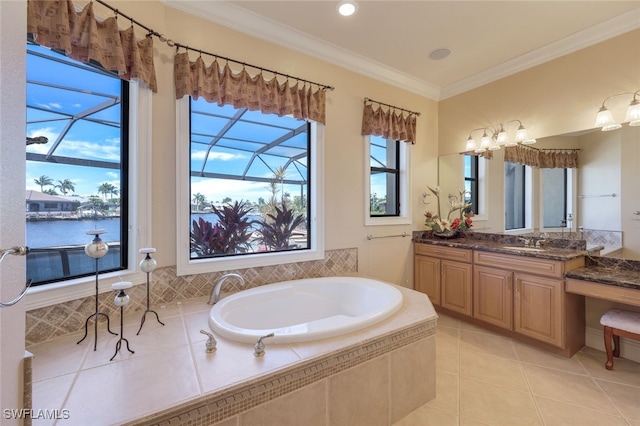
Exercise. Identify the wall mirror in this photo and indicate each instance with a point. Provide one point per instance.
(599, 200)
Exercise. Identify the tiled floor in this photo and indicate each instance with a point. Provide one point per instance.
(487, 379)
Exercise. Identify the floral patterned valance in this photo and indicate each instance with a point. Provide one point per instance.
(57, 25)
(389, 124)
(223, 86)
(544, 159)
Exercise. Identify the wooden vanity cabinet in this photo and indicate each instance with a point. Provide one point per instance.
(538, 308)
(445, 275)
(493, 296)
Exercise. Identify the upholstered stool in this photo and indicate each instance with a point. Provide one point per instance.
(618, 323)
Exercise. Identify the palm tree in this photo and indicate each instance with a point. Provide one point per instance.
(66, 186)
(105, 189)
(199, 200)
(43, 181)
(280, 174)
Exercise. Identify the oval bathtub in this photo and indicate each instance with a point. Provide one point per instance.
(305, 309)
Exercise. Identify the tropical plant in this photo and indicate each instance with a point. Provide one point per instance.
(50, 191)
(106, 189)
(43, 181)
(230, 235)
(66, 186)
(276, 233)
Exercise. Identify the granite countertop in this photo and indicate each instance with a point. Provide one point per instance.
(609, 271)
(553, 249)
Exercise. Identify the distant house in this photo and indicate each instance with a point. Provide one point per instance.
(45, 203)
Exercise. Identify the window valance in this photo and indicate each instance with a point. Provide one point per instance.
(544, 159)
(223, 86)
(389, 124)
(57, 25)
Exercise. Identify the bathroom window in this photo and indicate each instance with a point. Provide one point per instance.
(77, 180)
(517, 200)
(557, 196)
(249, 189)
(472, 181)
(386, 179)
(92, 173)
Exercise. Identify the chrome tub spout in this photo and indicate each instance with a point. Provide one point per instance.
(215, 293)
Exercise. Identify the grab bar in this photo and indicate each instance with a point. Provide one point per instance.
(371, 237)
(17, 251)
(598, 196)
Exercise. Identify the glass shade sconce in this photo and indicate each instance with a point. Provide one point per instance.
(96, 249)
(605, 120)
(121, 300)
(148, 265)
(493, 138)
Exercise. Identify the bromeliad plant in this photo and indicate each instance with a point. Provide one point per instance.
(231, 234)
(461, 222)
(276, 233)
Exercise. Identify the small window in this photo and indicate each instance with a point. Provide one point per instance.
(515, 200)
(471, 181)
(384, 177)
(555, 192)
(77, 181)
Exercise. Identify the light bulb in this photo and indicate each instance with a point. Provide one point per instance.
(485, 142)
(633, 113)
(347, 8)
(471, 144)
(521, 134)
(502, 136)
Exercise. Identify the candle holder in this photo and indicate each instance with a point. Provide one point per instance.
(96, 249)
(148, 265)
(121, 300)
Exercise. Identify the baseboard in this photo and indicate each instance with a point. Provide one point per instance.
(629, 349)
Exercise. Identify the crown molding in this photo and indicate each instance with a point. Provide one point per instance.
(598, 33)
(247, 22)
(242, 20)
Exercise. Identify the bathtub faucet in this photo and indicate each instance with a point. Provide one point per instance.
(215, 293)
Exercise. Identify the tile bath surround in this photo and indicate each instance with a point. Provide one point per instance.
(172, 380)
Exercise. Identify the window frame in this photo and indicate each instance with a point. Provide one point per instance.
(187, 266)
(395, 171)
(404, 201)
(139, 221)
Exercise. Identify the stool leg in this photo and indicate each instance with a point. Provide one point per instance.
(616, 345)
(608, 337)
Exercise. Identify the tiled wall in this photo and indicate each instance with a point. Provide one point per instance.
(49, 322)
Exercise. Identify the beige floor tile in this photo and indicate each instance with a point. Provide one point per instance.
(141, 391)
(487, 343)
(470, 422)
(624, 370)
(625, 398)
(50, 394)
(447, 321)
(540, 357)
(492, 369)
(496, 405)
(429, 416)
(633, 422)
(567, 387)
(447, 350)
(58, 357)
(555, 413)
(446, 392)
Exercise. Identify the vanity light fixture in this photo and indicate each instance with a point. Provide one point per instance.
(493, 138)
(347, 7)
(604, 118)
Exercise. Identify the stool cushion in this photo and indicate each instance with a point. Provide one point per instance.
(622, 320)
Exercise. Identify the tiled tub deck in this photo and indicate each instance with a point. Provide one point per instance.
(377, 375)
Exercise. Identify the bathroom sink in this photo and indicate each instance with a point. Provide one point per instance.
(524, 248)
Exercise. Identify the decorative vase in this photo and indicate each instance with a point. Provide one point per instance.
(447, 233)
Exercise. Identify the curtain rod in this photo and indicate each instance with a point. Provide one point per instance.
(172, 43)
(549, 149)
(391, 106)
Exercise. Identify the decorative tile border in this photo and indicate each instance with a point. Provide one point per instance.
(49, 322)
(224, 404)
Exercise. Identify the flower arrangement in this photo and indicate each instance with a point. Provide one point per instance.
(462, 221)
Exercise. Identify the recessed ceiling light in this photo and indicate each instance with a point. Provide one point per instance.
(347, 7)
(439, 54)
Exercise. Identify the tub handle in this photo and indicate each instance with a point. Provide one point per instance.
(258, 349)
(211, 342)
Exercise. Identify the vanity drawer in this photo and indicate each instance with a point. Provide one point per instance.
(526, 264)
(443, 252)
(614, 293)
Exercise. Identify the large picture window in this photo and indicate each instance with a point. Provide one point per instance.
(250, 183)
(77, 180)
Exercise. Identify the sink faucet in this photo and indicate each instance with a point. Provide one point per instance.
(215, 293)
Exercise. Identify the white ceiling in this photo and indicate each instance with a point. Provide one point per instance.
(391, 40)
